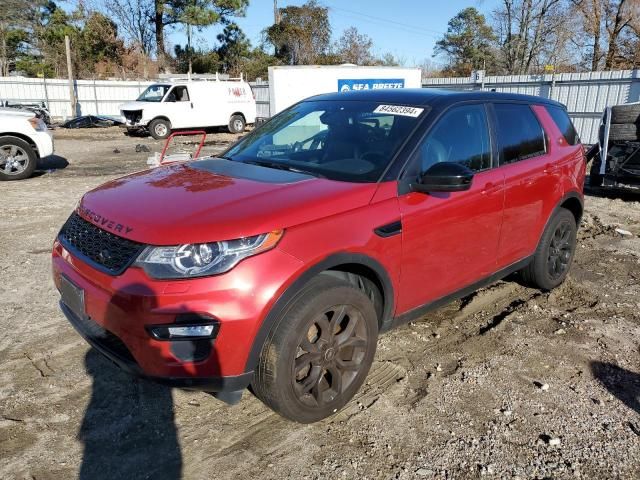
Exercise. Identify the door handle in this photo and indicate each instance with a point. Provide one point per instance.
(490, 187)
(191, 104)
(550, 168)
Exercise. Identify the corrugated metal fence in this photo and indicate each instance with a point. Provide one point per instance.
(585, 94)
(100, 97)
(95, 97)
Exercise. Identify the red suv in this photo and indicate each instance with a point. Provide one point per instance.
(277, 264)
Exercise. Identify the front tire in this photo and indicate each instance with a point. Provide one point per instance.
(160, 128)
(17, 159)
(236, 124)
(319, 353)
(552, 259)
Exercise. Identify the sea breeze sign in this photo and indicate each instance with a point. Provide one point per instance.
(357, 84)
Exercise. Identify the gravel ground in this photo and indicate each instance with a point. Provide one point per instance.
(507, 383)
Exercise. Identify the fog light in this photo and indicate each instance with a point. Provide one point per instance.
(183, 332)
(195, 331)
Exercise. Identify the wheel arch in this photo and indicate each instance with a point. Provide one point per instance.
(23, 137)
(160, 117)
(346, 265)
(244, 118)
(571, 201)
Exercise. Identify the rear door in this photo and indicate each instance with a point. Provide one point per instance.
(532, 184)
(450, 240)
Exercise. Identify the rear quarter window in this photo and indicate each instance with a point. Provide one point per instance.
(520, 135)
(564, 124)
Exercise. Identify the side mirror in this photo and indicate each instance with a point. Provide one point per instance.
(444, 177)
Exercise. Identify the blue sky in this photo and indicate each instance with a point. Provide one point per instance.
(406, 28)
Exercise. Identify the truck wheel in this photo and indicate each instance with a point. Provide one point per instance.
(552, 259)
(17, 159)
(623, 132)
(629, 113)
(159, 128)
(236, 124)
(319, 353)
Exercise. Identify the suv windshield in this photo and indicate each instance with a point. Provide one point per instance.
(345, 141)
(154, 93)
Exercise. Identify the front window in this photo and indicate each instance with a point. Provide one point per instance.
(344, 141)
(154, 93)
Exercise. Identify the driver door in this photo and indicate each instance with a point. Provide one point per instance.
(450, 239)
(179, 108)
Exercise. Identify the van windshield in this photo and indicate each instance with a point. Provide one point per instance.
(346, 141)
(154, 93)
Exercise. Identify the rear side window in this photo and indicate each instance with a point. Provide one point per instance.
(563, 122)
(519, 133)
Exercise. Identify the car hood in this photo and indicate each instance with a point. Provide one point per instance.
(215, 199)
(135, 105)
(16, 112)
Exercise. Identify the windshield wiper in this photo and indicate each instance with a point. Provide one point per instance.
(283, 166)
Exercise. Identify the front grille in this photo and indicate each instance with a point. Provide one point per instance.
(132, 116)
(104, 250)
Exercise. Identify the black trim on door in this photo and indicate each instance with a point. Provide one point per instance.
(418, 312)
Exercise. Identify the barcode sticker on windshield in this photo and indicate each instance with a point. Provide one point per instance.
(399, 110)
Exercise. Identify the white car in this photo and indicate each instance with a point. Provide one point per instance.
(163, 107)
(24, 139)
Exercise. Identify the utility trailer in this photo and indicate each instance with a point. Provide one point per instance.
(619, 146)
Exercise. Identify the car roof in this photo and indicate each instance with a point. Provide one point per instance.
(428, 96)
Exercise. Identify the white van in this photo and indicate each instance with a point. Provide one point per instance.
(164, 107)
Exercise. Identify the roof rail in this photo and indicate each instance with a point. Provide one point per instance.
(215, 77)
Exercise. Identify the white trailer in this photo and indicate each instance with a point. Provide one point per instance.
(290, 84)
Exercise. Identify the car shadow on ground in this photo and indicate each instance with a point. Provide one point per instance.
(128, 430)
(612, 193)
(52, 162)
(622, 383)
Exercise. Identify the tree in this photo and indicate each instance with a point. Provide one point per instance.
(19, 20)
(202, 61)
(134, 19)
(234, 49)
(258, 63)
(526, 29)
(354, 47)
(608, 29)
(192, 13)
(467, 44)
(303, 34)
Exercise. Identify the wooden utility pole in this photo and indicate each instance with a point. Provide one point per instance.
(72, 93)
(276, 12)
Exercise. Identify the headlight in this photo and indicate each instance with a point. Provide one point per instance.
(202, 259)
(38, 125)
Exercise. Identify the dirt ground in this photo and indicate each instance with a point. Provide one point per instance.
(507, 383)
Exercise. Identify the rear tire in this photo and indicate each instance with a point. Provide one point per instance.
(160, 128)
(623, 132)
(629, 113)
(236, 124)
(552, 259)
(319, 352)
(17, 159)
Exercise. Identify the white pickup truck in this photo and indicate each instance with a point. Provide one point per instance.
(164, 107)
(24, 139)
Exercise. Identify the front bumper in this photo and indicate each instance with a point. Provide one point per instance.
(44, 143)
(118, 310)
(111, 347)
